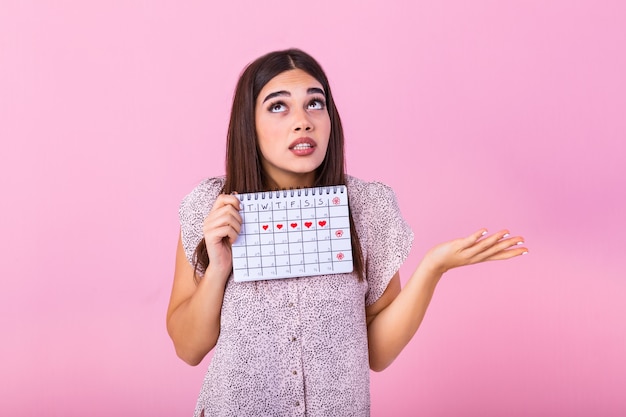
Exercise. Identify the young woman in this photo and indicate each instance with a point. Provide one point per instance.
(299, 346)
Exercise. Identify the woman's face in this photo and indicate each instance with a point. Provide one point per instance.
(293, 128)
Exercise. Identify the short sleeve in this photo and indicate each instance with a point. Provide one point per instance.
(193, 210)
(389, 239)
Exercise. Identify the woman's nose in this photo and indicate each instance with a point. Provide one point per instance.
(302, 122)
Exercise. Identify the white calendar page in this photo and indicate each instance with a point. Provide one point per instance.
(293, 233)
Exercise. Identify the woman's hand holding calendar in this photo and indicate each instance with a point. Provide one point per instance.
(221, 228)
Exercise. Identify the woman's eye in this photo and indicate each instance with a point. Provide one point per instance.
(277, 108)
(316, 105)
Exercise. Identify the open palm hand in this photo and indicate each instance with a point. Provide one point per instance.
(473, 249)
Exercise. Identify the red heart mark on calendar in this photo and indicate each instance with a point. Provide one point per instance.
(308, 224)
(265, 227)
(294, 225)
(340, 256)
(339, 233)
(280, 226)
(322, 223)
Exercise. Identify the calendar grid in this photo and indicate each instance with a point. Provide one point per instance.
(293, 233)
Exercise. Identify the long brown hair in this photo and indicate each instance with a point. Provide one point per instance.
(244, 171)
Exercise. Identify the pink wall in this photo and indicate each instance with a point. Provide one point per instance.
(480, 114)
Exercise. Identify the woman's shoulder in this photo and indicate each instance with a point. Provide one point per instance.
(208, 186)
(368, 189)
(203, 194)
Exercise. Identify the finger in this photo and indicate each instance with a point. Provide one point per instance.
(234, 220)
(229, 234)
(517, 250)
(503, 249)
(224, 200)
(223, 217)
(224, 211)
(469, 241)
(483, 243)
(476, 236)
(217, 235)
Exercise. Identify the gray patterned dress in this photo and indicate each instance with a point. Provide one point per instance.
(298, 347)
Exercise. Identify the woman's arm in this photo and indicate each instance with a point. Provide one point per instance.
(394, 318)
(193, 315)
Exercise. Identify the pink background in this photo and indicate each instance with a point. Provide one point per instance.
(479, 114)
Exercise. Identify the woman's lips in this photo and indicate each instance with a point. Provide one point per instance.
(303, 146)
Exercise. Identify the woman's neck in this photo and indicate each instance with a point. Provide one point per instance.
(290, 181)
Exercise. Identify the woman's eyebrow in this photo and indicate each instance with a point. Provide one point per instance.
(281, 93)
(315, 90)
(284, 93)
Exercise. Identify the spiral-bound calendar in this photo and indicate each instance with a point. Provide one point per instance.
(293, 233)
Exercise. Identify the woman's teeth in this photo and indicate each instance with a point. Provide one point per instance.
(302, 146)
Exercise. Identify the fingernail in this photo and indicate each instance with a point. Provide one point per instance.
(506, 235)
(525, 253)
(520, 243)
(484, 233)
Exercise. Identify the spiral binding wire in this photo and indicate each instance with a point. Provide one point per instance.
(334, 189)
